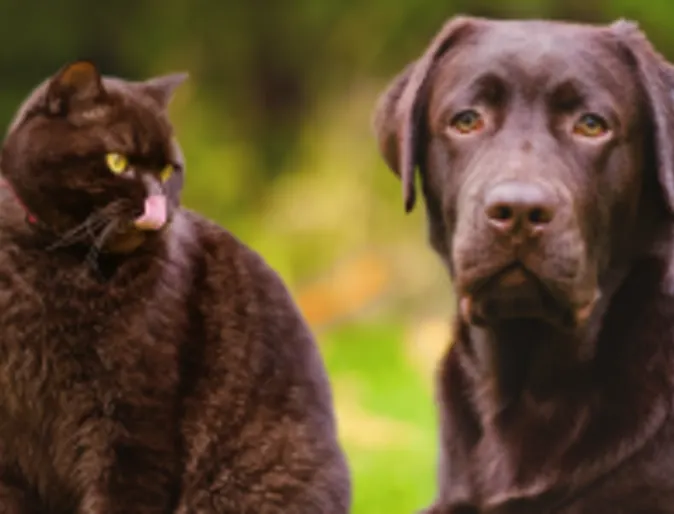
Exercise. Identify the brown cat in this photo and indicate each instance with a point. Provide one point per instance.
(149, 361)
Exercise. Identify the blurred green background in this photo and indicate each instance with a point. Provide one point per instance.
(275, 123)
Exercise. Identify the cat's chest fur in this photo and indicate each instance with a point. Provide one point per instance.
(76, 351)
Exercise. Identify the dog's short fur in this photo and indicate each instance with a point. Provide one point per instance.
(547, 168)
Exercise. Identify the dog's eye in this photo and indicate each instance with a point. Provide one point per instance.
(467, 121)
(591, 125)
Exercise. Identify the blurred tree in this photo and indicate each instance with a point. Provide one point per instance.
(263, 70)
(262, 65)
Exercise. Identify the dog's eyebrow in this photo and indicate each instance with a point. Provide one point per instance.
(567, 94)
(486, 87)
(490, 87)
(570, 94)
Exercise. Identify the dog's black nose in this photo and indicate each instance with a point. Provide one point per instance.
(515, 207)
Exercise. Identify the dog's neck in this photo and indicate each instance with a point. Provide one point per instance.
(531, 393)
(531, 360)
(524, 355)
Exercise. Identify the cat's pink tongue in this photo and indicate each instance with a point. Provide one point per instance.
(154, 216)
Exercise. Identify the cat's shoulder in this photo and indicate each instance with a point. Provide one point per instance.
(226, 259)
(235, 287)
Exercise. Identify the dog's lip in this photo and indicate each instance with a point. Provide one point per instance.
(554, 307)
(510, 275)
(515, 283)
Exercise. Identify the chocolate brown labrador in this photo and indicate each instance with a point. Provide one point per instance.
(546, 161)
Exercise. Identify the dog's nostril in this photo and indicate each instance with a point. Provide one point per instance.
(540, 216)
(503, 213)
(500, 212)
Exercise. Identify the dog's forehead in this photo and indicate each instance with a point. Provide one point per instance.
(543, 42)
(539, 38)
(539, 54)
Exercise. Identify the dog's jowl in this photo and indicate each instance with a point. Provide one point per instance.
(544, 154)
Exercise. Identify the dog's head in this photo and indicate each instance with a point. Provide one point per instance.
(545, 154)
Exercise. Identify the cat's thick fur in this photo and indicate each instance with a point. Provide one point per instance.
(164, 371)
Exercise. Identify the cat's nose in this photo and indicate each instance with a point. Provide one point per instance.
(153, 185)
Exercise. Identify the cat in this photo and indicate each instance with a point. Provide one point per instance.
(150, 362)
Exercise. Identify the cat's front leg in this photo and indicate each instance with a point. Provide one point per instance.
(282, 468)
(269, 449)
(15, 500)
(128, 462)
(139, 480)
(273, 450)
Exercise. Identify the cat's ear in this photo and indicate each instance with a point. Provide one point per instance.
(76, 83)
(161, 89)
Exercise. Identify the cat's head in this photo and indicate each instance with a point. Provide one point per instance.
(98, 154)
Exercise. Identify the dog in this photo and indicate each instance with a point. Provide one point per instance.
(545, 158)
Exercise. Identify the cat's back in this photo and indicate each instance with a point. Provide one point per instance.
(238, 275)
(260, 346)
(236, 288)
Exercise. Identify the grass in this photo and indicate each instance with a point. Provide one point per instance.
(386, 418)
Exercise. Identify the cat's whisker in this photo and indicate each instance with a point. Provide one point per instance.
(78, 233)
(91, 258)
(90, 227)
(105, 234)
(94, 252)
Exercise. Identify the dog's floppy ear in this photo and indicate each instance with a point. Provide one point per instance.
(656, 76)
(399, 110)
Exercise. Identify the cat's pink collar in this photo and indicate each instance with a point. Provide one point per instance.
(30, 217)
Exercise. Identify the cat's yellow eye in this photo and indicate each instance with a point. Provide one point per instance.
(116, 162)
(166, 173)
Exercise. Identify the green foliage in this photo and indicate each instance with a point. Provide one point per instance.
(387, 419)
